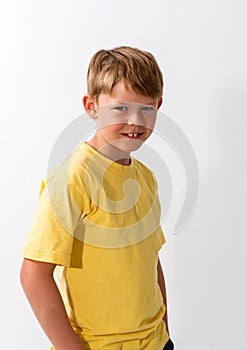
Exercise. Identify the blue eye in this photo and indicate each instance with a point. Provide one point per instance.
(121, 108)
(149, 109)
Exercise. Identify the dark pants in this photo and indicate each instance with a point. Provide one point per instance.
(169, 345)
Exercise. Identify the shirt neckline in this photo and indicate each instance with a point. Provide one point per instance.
(107, 160)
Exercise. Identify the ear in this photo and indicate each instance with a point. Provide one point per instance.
(159, 102)
(89, 104)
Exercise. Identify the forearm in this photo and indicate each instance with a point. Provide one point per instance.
(162, 285)
(46, 302)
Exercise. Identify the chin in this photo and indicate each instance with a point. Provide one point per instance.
(128, 146)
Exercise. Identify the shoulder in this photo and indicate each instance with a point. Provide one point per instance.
(141, 165)
(79, 164)
(70, 172)
(144, 171)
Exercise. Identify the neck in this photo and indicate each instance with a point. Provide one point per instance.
(110, 151)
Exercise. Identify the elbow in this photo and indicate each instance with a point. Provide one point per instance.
(26, 275)
(23, 276)
(34, 274)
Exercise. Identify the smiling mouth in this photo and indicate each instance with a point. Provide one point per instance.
(133, 135)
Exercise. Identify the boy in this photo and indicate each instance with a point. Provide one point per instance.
(97, 221)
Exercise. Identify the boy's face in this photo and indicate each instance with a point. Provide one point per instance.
(124, 119)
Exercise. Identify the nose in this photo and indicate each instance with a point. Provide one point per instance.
(136, 118)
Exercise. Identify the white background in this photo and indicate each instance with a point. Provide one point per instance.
(201, 48)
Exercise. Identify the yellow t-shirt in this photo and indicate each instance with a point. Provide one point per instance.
(99, 221)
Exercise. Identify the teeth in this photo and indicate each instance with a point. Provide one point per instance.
(132, 135)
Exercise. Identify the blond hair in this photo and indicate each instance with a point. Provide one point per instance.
(136, 68)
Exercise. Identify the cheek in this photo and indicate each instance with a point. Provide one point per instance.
(111, 129)
(148, 133)
(149, 125)
(105, 120)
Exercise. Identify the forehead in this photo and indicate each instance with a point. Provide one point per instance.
(121, 93)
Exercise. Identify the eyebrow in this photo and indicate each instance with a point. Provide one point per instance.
(137, 103)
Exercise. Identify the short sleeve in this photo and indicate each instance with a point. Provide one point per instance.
(51, 236)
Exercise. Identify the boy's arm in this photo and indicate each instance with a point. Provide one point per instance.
(161, 282)
(45, 299)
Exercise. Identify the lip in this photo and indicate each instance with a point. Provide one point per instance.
(138, 135)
